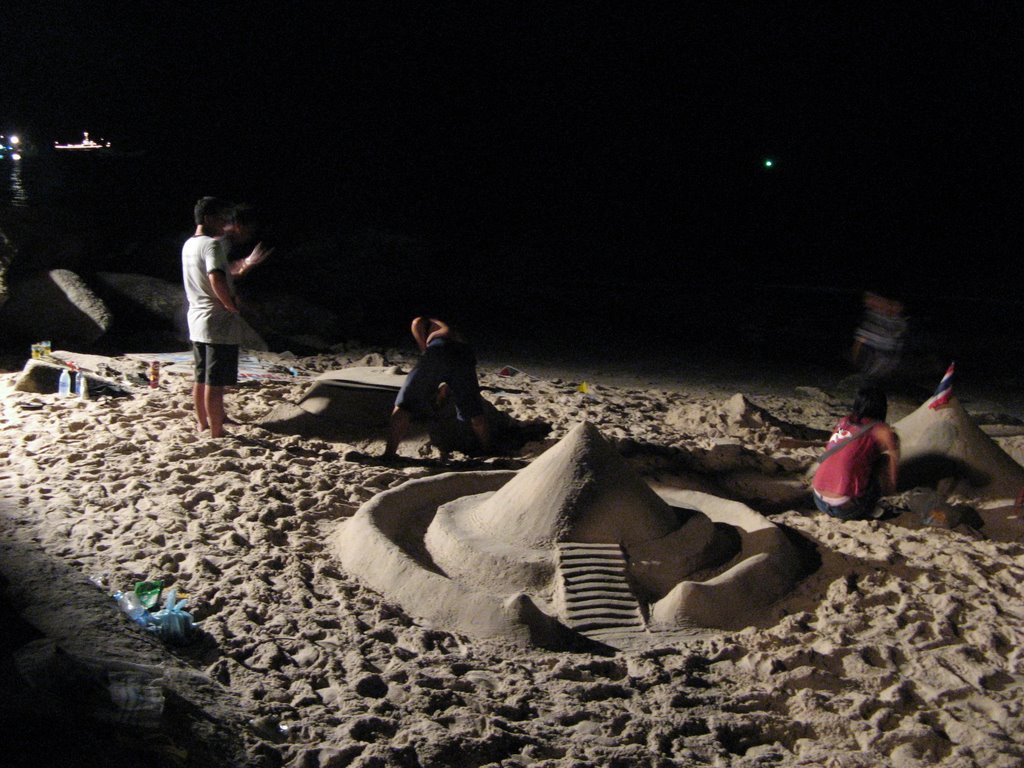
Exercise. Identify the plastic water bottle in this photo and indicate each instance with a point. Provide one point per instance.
(64, 382)
(130, 603)
(81, 386)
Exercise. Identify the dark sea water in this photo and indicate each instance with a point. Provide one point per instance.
(559, 290)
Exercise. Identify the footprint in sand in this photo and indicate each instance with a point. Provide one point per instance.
(194, 500)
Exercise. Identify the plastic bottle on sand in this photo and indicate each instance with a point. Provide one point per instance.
(81, 385)
(64, 382)
(130, 603)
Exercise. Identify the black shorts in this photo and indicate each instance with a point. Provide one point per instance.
(448, 362)
(216, 364)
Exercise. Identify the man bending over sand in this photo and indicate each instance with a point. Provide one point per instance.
(214, 326)
(447, 366)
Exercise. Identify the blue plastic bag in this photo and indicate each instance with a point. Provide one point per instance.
(171, 623)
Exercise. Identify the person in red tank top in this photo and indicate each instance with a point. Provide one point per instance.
(861, 460)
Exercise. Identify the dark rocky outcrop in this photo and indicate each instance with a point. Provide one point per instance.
(281, 316)
(65, 276)
(6, 257)
(45, 238)
(141, 299)
(55, 305)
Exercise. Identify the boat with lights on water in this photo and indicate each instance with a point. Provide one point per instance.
(13, 147)
(85, 145)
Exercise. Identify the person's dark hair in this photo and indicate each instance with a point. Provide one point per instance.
(870, 403)
(246, 214)
(211, 206)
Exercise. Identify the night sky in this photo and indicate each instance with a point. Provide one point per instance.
(628, 135)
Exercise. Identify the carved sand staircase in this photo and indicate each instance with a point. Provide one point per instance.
(598, 599)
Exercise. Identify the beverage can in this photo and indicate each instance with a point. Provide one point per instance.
(154, 374)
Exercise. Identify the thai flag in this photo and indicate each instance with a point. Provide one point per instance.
(944, 390)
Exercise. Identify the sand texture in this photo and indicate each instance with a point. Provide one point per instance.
(899, 645)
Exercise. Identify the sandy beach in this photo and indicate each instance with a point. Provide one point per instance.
(899, 645)
(676, 240)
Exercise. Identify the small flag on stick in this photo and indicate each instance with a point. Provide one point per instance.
(944, 390)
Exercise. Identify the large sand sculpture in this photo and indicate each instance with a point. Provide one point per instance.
(574, 544)
(942, 448)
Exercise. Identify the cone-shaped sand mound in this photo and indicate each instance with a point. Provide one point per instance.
(575, 544)
(943, 449)
(944, 445)
(576, 491)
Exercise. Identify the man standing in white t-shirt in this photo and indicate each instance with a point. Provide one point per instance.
(214, 326)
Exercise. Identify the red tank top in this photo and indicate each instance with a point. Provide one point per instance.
(847, 472)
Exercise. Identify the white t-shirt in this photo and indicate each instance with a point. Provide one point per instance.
(208, 320)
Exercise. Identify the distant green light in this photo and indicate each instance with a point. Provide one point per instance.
(769, 163)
